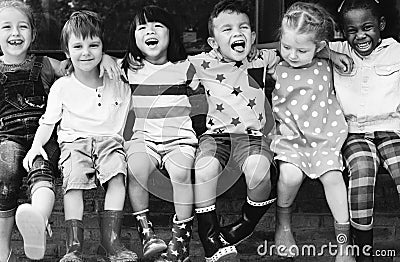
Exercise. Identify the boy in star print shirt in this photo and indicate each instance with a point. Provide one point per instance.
(238, 117)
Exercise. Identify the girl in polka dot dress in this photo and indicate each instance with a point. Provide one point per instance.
(310, 124)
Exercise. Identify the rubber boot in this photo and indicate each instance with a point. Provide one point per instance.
(283, 233)
(153, 246)
(178, 247)
(238, 231)
(361, 239)
(342, 233)
(209, 233)
(74, 229)
(111, 249)
(32, 226)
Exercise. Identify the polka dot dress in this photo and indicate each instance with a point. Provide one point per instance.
(311, 128)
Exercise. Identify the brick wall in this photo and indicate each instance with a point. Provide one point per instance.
(312, 222)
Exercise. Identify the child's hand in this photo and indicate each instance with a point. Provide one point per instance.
(66, 67)
(135, 64)
(109, 65)
(343, 63)
(254, 53)
(31, 155)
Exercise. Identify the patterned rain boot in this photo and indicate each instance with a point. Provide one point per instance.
(342, 233)
(32, 226)
(283, 232)
(209, 234)
(153, 246)
(178, 247)
(74, 229)
(363, 238)
(111, 249)
(238, 231)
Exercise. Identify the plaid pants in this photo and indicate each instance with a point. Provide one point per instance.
(363, 153)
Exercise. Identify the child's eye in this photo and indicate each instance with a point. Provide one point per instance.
(5, 27)
(24, 26)
(95, 45)
(140, 28)
(286, 47)
(302, 51)
(159, 25)
(226, 29)
(244, 27)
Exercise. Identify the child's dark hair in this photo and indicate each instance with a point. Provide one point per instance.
(309, 18)
(230, 6)
(372, 5)
(81, 23)
(152, 13)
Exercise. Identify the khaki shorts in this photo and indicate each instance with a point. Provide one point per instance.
(86, 162)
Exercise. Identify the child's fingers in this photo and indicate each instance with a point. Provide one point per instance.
(44, 154)
(102, 72)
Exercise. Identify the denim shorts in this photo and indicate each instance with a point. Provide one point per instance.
(16, 137)
(237, 147)
(87, 162)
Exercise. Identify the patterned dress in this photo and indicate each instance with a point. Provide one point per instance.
(311, 128)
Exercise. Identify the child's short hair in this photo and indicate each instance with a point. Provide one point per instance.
(372, 5)
(230, 6)
(153, 13)
(309, 18)
(23, 8)
(81, 23)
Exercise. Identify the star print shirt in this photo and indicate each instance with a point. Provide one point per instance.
(235, 93)
(311, 128)
(161, 104)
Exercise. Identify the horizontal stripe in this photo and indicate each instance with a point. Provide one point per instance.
(160, 101)
(162, 112)
(155, 90)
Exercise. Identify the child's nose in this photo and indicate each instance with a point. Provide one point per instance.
(293, 54)
(360, 35)
(15, 31)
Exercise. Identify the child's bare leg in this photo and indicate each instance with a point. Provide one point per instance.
(336, 195)
(207, 171)
(290, 180)
(115, 194)
(179, 167)
(73, 204)
(6, 228)
(140, 166)
(256, 170)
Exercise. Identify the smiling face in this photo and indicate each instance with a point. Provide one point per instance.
(85, 54)
(362, 30)
(16, 35)
(298, 50)
(152, 38)
(233, 37)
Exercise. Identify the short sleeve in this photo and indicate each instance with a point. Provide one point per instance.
(47, 74)
(54, 105)
(267, 58)
(192, 78)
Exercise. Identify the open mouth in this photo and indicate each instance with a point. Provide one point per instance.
(364, 46)
(15, 42)
(238, 46)
(151, 42)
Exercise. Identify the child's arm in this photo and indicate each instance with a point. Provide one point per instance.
(42, 135)
(108, 64)
(341, 61)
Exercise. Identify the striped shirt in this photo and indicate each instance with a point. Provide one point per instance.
(161, 104)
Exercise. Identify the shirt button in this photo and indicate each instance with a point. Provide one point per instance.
(99, 95)
(116, 103)
(99, 104)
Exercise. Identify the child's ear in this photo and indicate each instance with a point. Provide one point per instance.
(211, 42)
(382, 23)
(321, 45)
(253, 37)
